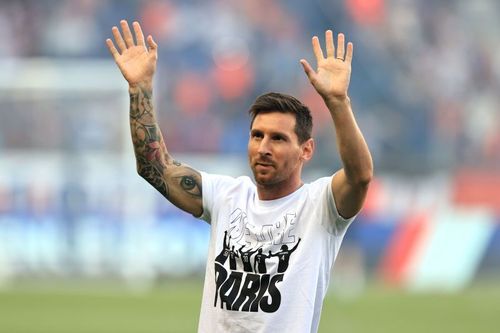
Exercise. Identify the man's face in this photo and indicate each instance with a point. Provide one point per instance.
(274, 152)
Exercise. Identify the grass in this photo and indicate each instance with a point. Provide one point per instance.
(174, 307)
(382, 310)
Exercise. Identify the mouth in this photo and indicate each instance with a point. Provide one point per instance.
(264, 165)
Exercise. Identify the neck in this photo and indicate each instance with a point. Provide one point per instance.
(279, 190)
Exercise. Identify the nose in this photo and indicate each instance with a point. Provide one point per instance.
(264, 147)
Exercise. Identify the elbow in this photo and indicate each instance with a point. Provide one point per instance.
(142, 175)
(359, 173)
(362, 179)
(366, 179)
(365, 176)
(141, 171)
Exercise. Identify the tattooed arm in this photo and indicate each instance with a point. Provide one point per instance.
(179, 183)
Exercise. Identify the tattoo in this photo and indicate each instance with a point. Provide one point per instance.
(151, 175)
(188, 183)
(148, 143)
(141, 105)
(170, 177)
(189, 180)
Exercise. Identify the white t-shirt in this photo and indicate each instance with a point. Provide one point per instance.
(269, 262)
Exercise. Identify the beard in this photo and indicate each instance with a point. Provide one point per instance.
(268, 175)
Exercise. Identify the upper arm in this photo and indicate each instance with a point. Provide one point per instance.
(349, 197)
(185, 188)
(181, 185)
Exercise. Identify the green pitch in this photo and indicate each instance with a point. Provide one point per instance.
(174, 307)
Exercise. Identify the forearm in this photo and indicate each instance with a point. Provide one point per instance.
(150, 151)
(351, 145)
(177, 182)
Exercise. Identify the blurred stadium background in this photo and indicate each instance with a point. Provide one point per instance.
(87, 246)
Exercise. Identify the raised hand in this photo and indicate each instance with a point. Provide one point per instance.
(331, 80)
(136, 62)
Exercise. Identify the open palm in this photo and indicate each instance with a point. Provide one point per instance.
(331, 80)
(136, 62)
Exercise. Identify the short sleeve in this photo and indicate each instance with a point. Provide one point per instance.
(330, 218)
(341, 223)
(213, 187)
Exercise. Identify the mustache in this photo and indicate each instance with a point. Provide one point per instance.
(264, 161)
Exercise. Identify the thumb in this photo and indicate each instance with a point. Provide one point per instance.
(311, 74)
(152, 46)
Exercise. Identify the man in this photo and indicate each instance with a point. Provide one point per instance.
(277, 212)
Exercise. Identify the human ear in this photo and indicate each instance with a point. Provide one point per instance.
(307, 150)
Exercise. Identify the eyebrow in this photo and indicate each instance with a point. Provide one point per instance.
(272, 133)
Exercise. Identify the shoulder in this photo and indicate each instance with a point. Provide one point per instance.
(219, 190)
(321, 194)
(223, 180)
(320, 188)
(215, 185)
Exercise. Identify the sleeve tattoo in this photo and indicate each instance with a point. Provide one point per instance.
(175, 181)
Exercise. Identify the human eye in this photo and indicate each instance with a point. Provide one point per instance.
(278, 137)
(256, 135)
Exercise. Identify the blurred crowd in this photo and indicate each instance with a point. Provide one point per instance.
(425, 76)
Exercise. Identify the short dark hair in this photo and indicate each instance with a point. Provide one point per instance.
(278, 102)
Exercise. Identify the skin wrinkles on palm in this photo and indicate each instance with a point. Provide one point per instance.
(331, 80)
(136, 62)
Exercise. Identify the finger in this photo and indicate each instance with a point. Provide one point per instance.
(318, 53)
(153, 47)
(340, 46)
(127, 35)
(330, 47)
(308, 69)
(112, 49)
(350, 51)
(118, 39)
(139, 36)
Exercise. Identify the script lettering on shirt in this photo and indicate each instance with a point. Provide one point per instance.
(278, 233)
(235, 294)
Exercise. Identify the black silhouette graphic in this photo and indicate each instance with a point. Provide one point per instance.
(232, 258)
(284, 256)
(247, 292)
(245, 258)
(260, 262)
(222, 257)
(249, 288)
